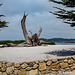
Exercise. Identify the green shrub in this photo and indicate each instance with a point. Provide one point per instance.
(49, 43)
(14, 42)
(18, 41)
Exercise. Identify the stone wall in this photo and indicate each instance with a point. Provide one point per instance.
(38, 67)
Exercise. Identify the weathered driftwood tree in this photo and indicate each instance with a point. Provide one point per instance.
(32, 39)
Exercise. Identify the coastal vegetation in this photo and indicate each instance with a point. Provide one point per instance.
(45, 41)
(22, 41)
(14, 42)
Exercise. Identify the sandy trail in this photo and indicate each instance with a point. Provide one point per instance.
(24, 54)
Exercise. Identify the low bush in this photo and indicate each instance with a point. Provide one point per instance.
(14, 42)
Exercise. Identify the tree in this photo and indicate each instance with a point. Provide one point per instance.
(67, 15)
(2, 23)
(32, 39)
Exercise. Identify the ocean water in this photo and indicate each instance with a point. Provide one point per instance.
(57, 43)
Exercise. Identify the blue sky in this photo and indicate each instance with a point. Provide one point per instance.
(39, 16)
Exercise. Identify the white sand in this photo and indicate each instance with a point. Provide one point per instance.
(24, 54)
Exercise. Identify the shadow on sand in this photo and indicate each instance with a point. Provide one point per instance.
(62, 52)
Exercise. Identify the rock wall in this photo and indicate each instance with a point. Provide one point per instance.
(38, 67)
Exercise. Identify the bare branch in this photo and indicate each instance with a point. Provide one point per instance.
(39, 32)
(24, 27)
(30, 32)
(27, 15)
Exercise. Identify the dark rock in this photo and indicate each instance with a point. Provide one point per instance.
(10, 45)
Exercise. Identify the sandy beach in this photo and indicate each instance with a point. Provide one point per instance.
(25, 54)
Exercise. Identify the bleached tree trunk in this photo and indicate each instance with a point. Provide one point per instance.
(30, 38)
(24, 29)
(39, 32)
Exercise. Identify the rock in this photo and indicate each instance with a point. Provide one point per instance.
(1, 73)
(49, 63)
(9, 70)
(3, 65)
(0, 64)
(70, 61)
(73, 64)
(55, 68)
(4, 73)
(55, 60)
(72, 68)
(49, 68)
(73, 58)
(36, 62)
(35, 66)
(28, 68)
(27, 73)
(41, 61)
(42, 66)
(60, 60)
(5, 45)
(30, 64)
(12, 67)
(3, 69)
(22, 72)
(16, 72)
(67, 69)
(21, 45)
(33, 72)
(17, 65)
(9, 64)
(70, 65)
(55, 63)
(69, 58)
(65, 60)
(24, 65)
(10, 45)
(64, 65)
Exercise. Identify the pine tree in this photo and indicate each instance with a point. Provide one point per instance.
(67, 15)
(2, 23)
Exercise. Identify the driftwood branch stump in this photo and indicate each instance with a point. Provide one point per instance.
(31, 39)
